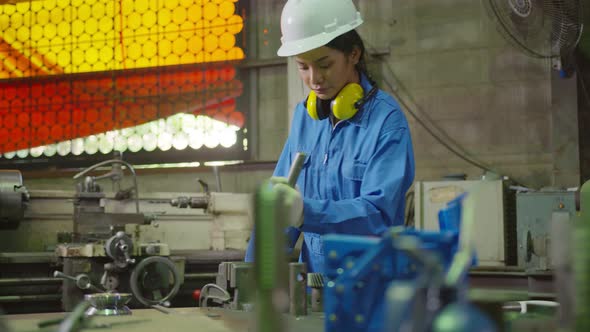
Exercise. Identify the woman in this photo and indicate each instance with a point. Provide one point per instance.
(360, 160)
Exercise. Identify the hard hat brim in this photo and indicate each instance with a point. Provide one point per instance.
(313, 42)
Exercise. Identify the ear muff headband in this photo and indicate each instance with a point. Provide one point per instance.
(344, 106)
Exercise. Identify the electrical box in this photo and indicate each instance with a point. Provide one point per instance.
(533, 225)
(495, 227)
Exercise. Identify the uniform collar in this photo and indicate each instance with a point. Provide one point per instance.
(361, 118)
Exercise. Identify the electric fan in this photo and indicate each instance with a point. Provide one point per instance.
(541, 28)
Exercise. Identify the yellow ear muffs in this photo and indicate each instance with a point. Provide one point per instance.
(343, 106)
(312, 105)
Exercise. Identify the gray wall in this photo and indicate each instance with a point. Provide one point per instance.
(500, 106)
(451, 67)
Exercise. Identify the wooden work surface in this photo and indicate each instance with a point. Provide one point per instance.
(151, 320)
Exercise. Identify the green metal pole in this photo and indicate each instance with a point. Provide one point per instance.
(581, 264)
(270, 261)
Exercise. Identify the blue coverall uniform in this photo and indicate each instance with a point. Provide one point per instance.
(355, 176)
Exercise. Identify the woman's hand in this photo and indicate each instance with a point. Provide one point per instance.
(293, 199)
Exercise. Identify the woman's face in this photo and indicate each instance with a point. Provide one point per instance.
(326, 70)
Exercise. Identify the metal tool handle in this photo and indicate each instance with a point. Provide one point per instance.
(162, 307)
(125, 250)
(61, 275)
(296, 168)
(82, 281)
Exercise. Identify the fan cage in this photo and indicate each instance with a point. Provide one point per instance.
(541, 28)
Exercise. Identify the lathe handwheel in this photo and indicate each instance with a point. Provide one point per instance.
(152, 278)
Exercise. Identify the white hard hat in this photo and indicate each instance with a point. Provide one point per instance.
(309, 24)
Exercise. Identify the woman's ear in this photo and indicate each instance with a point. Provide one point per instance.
(355, 55)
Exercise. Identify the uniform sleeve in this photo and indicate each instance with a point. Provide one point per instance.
(387, 177)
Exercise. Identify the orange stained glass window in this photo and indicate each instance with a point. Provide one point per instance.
(70, 69)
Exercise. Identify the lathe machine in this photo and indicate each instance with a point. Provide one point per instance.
(57, 246)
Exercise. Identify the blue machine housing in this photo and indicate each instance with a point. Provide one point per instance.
(359, 269)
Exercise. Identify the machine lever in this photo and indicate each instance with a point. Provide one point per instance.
(82, 281)
(162, 307)
(221, 295)
(125, 250)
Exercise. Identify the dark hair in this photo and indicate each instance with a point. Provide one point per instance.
(346, 43)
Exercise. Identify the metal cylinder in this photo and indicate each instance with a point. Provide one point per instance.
(28, 281)
(29, 298)
(298, 289)
(12, 199)
(317, 301)
(316, 282)
(561, 252)
(581, 262)
(270, 268)
(200, 276)
(295, 169)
